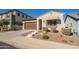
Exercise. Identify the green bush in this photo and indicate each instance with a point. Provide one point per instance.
(45, 36)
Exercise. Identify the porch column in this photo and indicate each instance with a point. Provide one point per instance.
(37, 24)
(23, 25)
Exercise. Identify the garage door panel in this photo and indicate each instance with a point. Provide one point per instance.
(30, 25)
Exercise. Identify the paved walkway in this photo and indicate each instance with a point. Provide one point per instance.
(15, 39)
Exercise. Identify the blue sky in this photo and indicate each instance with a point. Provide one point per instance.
(37, 12)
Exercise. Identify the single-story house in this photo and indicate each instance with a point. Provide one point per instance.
(48, 20)
(72, 21)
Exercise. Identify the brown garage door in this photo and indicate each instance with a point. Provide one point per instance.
(30, 25)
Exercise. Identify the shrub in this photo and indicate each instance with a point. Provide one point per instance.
(71, 41)
(67, 31)
(71, 34)
(61, 36)
(64, 41)
(55, 31)
(45, 36)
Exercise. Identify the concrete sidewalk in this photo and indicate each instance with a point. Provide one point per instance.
(24, 42)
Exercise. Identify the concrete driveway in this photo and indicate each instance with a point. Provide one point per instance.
(16, 39)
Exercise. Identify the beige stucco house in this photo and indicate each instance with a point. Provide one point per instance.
(50, 20)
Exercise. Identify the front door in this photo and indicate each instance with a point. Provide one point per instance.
(40, 24)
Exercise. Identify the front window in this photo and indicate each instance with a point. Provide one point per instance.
(70, 24)
(58, 21)
(18, 14)
(53, 22)
(23, 16)
(26, 16)
(7, 15)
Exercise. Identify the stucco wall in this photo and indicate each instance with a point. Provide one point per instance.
(74, 26)
(62, 25)
(77, 26)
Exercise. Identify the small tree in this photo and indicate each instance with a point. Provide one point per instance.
(1, 28)
(0, 23)
(4, 23)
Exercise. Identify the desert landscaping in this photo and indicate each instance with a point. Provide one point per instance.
(58, 37)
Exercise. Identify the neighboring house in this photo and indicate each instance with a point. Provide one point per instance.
(72, 21)
(49, 19)
(15, 17)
